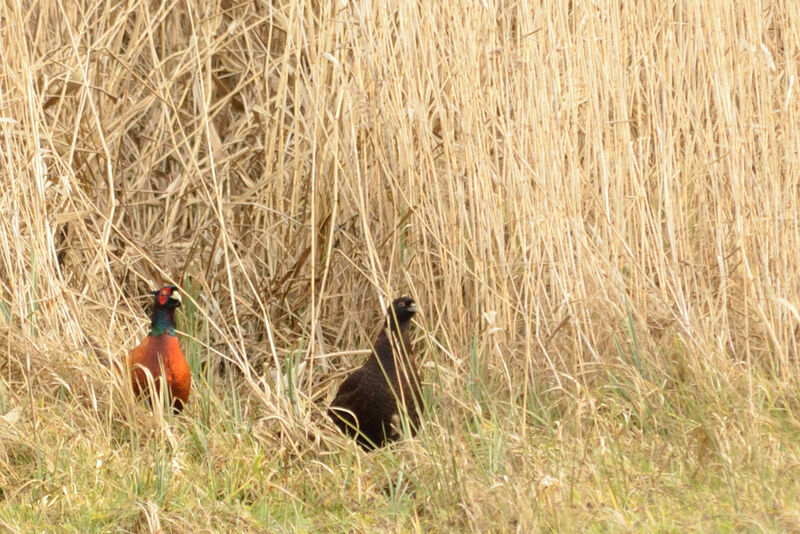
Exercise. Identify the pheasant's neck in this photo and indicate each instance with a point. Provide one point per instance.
(394, 328)
(397, 337)
(163, 322)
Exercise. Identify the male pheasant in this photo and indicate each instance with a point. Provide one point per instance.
(367, 405)
(160, 349)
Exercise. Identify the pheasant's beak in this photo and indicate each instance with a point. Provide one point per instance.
(176, 297)
(413, 307)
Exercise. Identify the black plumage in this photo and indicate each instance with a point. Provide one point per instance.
(367, 405)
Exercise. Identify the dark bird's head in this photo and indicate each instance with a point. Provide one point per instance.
(167, 297)
(163, 320)
(402, 310)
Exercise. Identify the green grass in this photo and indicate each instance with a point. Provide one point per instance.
(666, 461)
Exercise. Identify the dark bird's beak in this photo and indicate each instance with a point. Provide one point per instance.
(413, 307)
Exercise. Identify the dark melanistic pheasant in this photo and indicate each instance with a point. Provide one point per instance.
(367, 405)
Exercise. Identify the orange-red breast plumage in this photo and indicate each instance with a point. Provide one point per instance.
(161, 349)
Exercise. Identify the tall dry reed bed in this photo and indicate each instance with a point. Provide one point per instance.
(595, 204)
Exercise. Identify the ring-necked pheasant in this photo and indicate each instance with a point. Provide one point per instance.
(161, 349)
(368, 402)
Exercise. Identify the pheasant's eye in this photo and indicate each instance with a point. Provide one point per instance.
(164, 292)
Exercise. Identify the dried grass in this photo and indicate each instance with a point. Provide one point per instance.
(596, 205)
